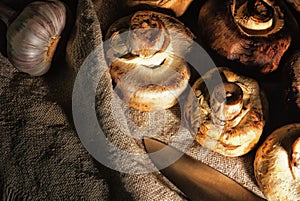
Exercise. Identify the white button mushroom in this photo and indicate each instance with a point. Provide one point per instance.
(145, 55)
(229, 121)
(276, 164)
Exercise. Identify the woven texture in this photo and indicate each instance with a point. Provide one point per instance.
(42, 156)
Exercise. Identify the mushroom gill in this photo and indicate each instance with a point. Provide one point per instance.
(258, 17)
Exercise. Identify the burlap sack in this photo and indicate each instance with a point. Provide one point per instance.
(41, 155)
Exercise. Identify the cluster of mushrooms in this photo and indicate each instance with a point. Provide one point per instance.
(225, 109)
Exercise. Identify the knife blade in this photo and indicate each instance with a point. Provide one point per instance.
(197, 180)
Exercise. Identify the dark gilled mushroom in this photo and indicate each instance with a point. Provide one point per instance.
(177, 6)
(256, 33)
(230, 121)
(145, 55)
(277, 164)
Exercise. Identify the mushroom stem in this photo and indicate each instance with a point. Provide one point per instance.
(6, 14)
(226, 101)
(259, 10)
(148, 36)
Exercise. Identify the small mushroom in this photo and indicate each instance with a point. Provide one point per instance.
(255, 33)
(146, 59)
(231, 119)
(177, 6)
(277, 164)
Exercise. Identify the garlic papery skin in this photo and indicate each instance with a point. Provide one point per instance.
(33, 36)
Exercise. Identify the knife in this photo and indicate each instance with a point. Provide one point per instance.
(195, 179)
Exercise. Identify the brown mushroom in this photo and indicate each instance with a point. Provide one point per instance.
(146, 59)
(255, 33)
(276, 164)
(177, 6)
(230, 121)
(292, 80)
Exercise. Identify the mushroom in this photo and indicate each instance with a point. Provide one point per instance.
(277, 164)
(231, 119)
(146, 53)
(292, 79)
(255, 33)
(177, 6)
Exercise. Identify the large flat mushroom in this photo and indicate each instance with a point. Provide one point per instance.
(231, 119)
(146, 56)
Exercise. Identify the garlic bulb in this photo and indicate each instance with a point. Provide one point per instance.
(178, 6)
(231, 119)
(32, 37)
(277, 164)
(255, 33)
(145, 55)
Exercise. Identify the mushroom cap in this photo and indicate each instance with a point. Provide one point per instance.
(151, 89)
(146, 59)
(236, 135)
(276, 172)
